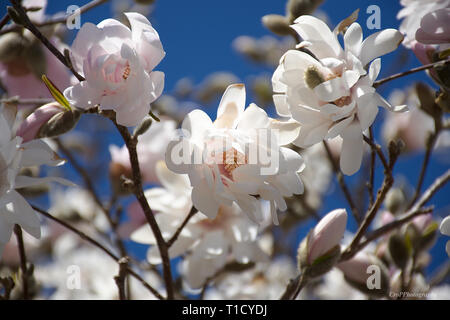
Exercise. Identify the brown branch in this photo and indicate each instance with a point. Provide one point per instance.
(174, 238)
(35, 101)
(377, 149)
(372, 170)
(342, 183)
(139, 194)
(23, 261)
(431, 141)
(63, 19)
(35, 31)
(120, 279)
(97, 244)
(405, 73)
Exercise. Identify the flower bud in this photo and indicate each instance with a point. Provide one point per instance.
(422, 232)
(12, 45)
(60, 123)
(277, 24)
(320, 250)
(395, 200)
(399, 250)
(357, 272)
(31, 126)
(296, 8)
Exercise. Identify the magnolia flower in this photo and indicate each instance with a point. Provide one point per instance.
(357, 271)
(150, 149)
(14, 155)
(445, 229)
(404, 125)
(413, 13)
(265, 281)
(335, 287)
(117, 63)
(96, 274)
(435, 27)
(333, 95)
(210, 243)
(236, 157)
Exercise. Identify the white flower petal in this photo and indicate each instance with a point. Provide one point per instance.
(352, 148)
(379, 43)
(231, 106)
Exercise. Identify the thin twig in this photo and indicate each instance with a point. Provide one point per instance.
(120, 279)
(174, 238)
(342, 183)
(23, 261)
(97, 244)
(139, 194)
(377, 149)
(413, 70)
(35, 31)
(430, 146)
(17, 100)
(372, 170)
(63, 19)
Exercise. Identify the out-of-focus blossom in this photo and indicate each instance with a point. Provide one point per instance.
(266, 281)
(413, 13)
(445, 229)
(14, 155)
(150, 149)
(435, 27)
(335, 287)
(237, 157)
(210, 243)
(333, 95)
(96, 274)
(77, 205)
(118, 64)
(405, 126)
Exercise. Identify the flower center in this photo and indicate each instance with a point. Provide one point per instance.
(126, 72)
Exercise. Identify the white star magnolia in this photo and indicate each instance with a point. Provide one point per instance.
(333, 95)
(237, 157)
(117, 63)
(14, 155)
(210, 243)
(445, 229)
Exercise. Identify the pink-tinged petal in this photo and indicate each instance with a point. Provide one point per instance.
(379, 43)
(88, 35)
(423, 52)
(148, 44)
(353, 38)
(253, 118)
(231, 106)
(356, 268)
(30, 127)
(81, 95)
(352, 148)
(327, 234)
(435, 27)
(315, 30)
